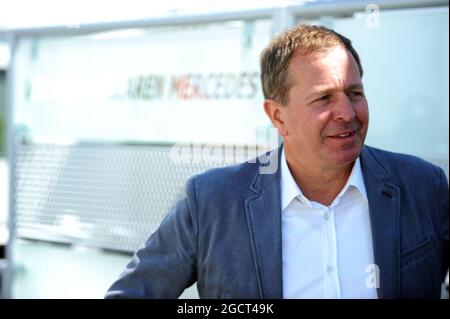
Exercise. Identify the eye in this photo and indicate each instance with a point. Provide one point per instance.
(324, 98)
(355, 94)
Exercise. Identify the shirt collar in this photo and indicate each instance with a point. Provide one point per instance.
(355, 181)
(290, 189)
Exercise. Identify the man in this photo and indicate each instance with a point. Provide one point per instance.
(337, 219)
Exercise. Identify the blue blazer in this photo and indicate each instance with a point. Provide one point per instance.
(225, 234)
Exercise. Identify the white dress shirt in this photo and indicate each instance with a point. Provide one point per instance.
(327, 250)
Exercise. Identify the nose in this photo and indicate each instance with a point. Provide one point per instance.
(343, 109)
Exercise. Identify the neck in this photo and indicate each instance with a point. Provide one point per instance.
(318, 184)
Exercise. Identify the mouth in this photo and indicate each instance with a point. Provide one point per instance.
(343, 135)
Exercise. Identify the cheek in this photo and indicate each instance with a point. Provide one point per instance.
(321, 121)
(323, 117)
(362, 113)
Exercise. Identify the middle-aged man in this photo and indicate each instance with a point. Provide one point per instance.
(336, 219)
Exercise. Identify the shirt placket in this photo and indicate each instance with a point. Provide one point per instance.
(331, 271)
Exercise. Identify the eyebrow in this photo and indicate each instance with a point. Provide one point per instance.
(327, 91)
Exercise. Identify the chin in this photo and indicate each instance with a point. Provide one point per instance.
(346, 157)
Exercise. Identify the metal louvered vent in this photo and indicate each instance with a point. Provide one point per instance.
(106, 196)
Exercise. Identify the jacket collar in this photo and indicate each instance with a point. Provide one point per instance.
(263, 211)
(268, 170)
(384, 210)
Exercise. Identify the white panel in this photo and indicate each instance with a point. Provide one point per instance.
(184, 84)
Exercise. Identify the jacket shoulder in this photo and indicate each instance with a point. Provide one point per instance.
(234, 177)
(403, 164)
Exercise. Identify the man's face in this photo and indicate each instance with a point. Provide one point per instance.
(326, 118)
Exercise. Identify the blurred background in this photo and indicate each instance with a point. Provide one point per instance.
(94, 95)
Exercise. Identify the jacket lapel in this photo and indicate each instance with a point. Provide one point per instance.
(263, 211)
(384, 209)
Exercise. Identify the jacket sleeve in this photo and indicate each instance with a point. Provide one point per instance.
(444, 221)
(166, 264)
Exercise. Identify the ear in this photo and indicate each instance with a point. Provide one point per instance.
(276, 113)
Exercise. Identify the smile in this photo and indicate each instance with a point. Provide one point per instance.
(344, 135)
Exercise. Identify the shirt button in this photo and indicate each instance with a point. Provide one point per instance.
(330, 269)
(326, 216)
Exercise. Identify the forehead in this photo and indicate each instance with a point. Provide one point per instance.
(333, 67)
